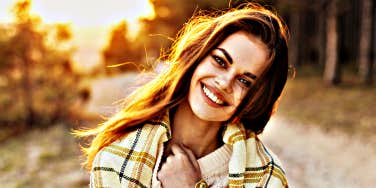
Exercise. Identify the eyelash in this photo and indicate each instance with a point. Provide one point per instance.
(245, 82)
(219, 61)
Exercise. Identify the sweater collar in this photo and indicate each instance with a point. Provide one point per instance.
(232, 133)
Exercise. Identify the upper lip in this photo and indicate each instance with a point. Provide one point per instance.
(217, 93)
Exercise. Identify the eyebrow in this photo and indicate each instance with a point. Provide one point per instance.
(229, 59)
(250, 75)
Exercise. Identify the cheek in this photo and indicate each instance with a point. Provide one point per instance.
(195, 80)
(204, 68)
(195, 76)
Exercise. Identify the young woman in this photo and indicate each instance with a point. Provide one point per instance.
(196, 124)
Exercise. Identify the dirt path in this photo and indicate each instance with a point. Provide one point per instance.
(106, 92)
(314, 158)
(42, 158)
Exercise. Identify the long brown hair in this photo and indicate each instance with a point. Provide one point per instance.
(194, 42)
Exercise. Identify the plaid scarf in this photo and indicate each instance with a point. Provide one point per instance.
(130, 161)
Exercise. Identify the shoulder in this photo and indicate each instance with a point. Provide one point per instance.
(278, 174)
(116, 163)
(106, 168)
(266, 166)
(134, 143)
(131, 159)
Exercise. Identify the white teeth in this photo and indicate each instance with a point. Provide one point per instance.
(211, 96)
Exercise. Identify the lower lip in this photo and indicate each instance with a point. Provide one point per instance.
(209, 101)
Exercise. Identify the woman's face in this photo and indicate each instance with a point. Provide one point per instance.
(222, 79)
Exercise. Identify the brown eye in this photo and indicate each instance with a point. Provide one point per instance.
(245, 82)
(219, 61)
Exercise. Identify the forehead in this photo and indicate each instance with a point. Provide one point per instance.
(247, 51)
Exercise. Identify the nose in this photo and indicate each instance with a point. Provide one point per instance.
(224, 82)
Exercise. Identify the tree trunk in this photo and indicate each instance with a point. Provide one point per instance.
(27, 93)
(373, 55)
(365, 65)
(294, 40)
(26, 78)
(321, 36)
(331, 72)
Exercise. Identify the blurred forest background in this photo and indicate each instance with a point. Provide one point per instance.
(329, 104)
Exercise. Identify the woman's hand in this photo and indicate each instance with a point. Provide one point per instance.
(181, 169)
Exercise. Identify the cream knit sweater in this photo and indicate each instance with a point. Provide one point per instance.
(214, 168)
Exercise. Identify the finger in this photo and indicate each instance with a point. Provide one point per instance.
(176, 150)
(191, 156)
(169, 159)
(160, 175)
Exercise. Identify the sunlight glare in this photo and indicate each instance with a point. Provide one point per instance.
(5, 11)
(86, 13)
(90, 20)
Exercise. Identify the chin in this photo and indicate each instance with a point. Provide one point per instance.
(208, 114)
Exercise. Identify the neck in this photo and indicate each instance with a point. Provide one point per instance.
(202, 137)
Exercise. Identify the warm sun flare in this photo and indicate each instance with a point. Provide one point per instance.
(85, 13)
(91, 20)
(93, 12)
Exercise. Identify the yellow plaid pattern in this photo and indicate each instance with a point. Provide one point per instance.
(130, 161)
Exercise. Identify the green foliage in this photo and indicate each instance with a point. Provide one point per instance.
(121, 53)
(37, 82)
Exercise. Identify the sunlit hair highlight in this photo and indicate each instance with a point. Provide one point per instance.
(194, 42)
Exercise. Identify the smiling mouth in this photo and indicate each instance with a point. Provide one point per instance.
(212, 97)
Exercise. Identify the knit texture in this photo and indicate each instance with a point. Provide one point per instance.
(130, 161)
(214, 166)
